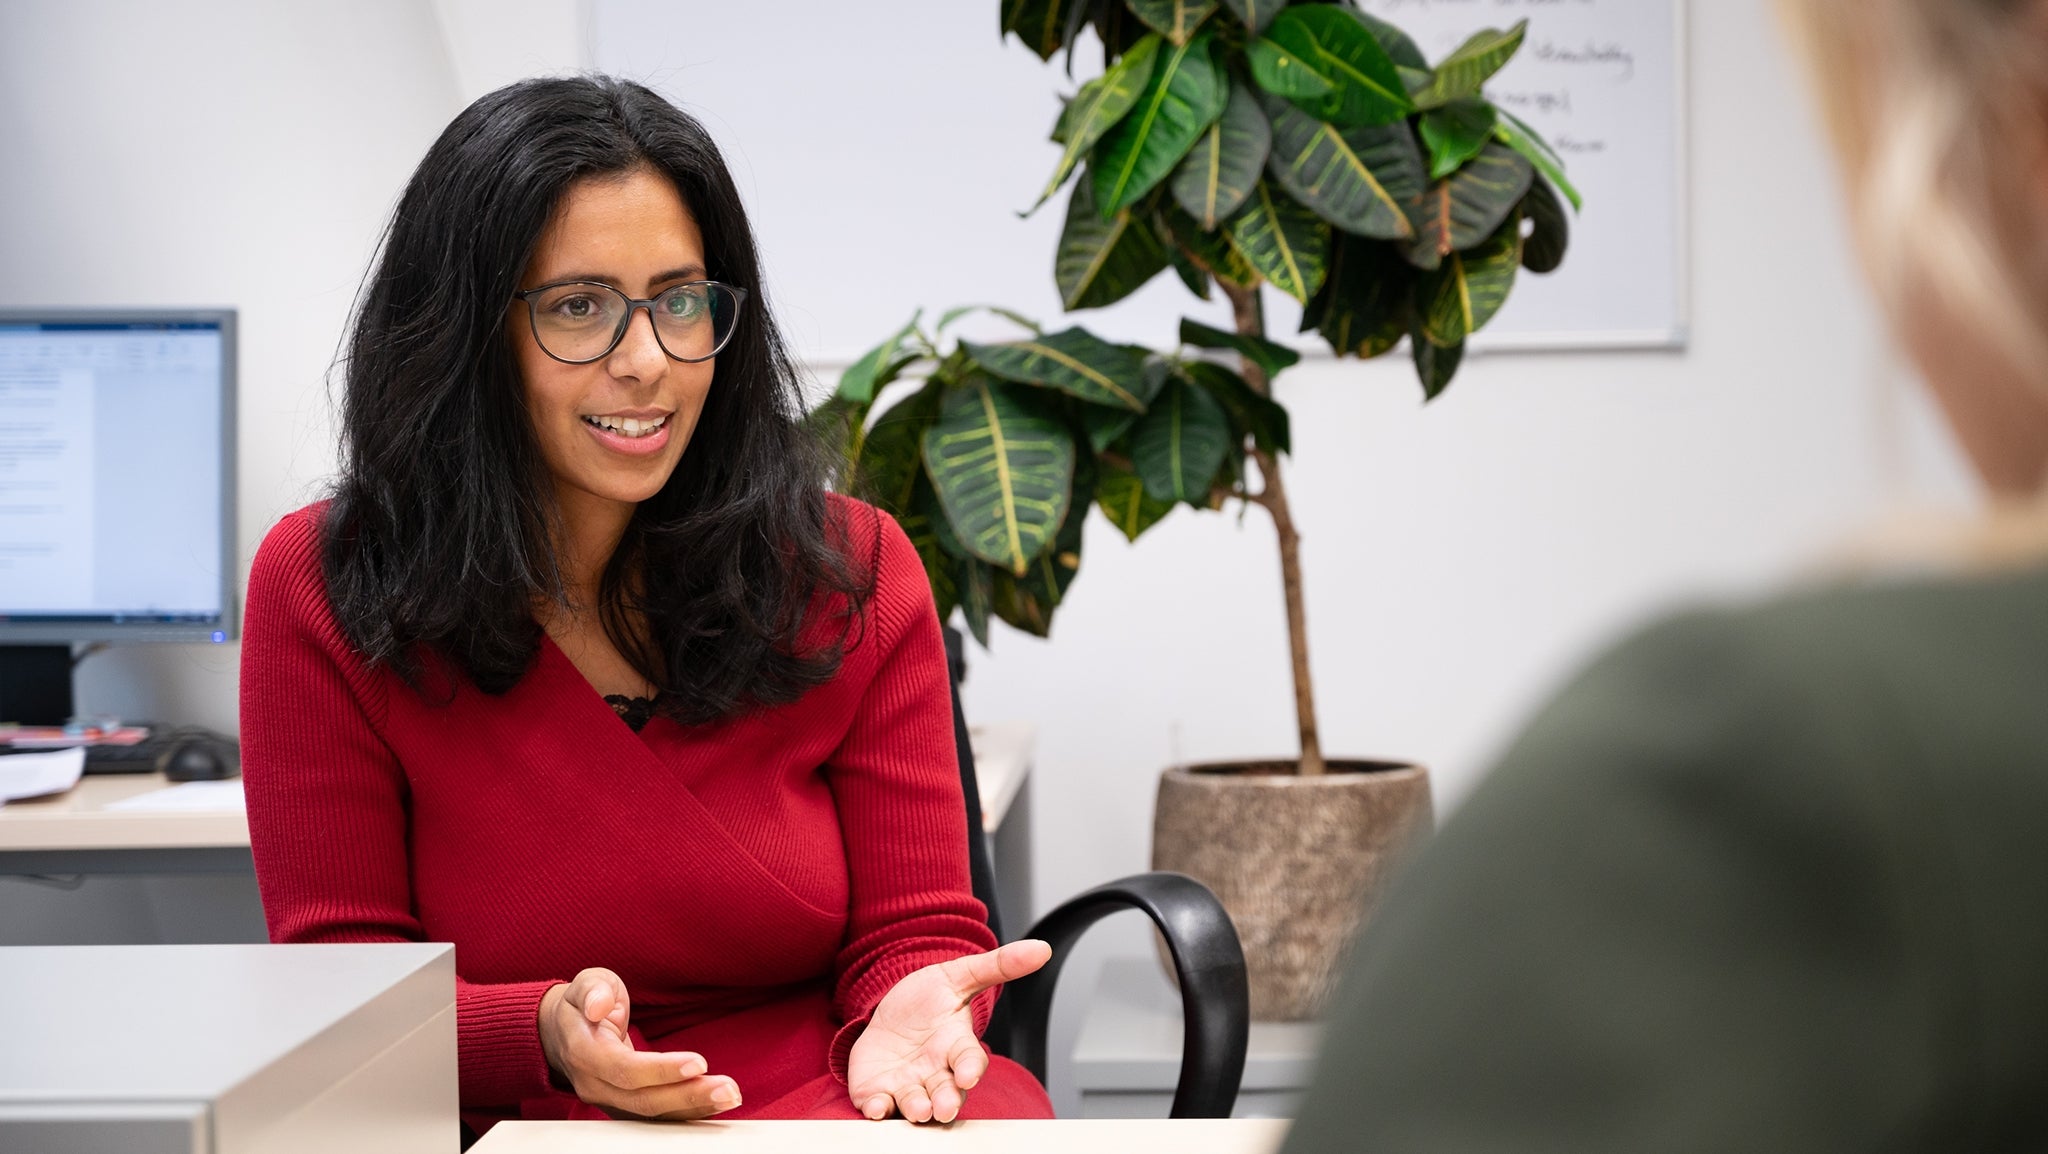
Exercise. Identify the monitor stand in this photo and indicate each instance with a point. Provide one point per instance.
(35, 684)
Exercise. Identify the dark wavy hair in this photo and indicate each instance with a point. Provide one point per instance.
(439, 537)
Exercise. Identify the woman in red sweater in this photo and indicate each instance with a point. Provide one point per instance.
(581, 670)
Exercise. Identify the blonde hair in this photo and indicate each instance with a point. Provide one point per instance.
(1939, 110)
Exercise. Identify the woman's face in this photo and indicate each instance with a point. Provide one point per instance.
(612, 431)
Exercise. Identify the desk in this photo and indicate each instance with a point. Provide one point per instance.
(75, 833)
(1180, 1136)
(227, 1049)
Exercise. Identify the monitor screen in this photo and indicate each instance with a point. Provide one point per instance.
(116, 475)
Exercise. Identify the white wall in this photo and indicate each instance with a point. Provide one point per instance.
(234, 152)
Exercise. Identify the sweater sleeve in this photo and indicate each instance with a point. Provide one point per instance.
(896, 782)
(328, 801)
(1681, 915)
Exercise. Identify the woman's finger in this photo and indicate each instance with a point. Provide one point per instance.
(877, 1106)
(683, 1101)
(967, 1061)
(622, 1066)
(914, 1103)
(977, 972)
(946, 1097)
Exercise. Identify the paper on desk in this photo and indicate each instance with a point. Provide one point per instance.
(187, 797)
(25, 775)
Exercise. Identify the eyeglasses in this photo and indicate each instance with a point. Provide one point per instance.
(577, 322)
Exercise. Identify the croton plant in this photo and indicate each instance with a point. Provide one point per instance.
(1307, 146)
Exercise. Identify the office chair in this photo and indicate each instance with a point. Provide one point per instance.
(1207, 958)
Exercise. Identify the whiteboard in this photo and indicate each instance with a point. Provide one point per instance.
(884, 154)
(1604, 82)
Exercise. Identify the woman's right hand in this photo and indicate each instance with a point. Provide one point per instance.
(583, 1033)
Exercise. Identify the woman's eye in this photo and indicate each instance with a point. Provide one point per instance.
(683, 305)
(577, 308)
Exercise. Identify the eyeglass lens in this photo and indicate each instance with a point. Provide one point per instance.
(581, 322)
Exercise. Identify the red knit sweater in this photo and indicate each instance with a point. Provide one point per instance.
(758, 883)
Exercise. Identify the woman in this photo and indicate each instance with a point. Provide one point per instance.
(1773, 878)
(580, 670)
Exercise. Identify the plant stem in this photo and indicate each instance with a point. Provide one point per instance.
(1251, 321)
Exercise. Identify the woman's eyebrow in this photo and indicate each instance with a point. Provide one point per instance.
(683, 272)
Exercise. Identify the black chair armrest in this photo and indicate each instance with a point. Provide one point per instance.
(1215, 1002)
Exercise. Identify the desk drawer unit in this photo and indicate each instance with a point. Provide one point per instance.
(227, 1049)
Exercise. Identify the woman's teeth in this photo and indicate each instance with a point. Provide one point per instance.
(626, 426)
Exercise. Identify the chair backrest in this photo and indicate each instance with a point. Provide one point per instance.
(980, 863)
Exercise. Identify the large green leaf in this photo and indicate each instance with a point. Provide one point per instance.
(1363, 307)
(1464, 211)
(1122, 498)
(1462, 72)
(1254, 14)
(1456, 133)
(1174, 19)
(1359, 179)
(1004, 470)
(1551, 231)
(1186, 93)
(1191, 273)
(891, 455)
(1435, 366)
(1180, 443)
(1103, 261)
(1331, 42)
(1270, 357)
(924, 526)
(1512, 132)
(975, 582)
(1277, 70)
(1252, 413)
(1105, 426)
(1210, 251)
(1041, 24)
(1286, 243)
(1219, 171)
(879, 365)
(1075, 362)
(1401, 49)
(1027, 602)
(1469, 287)
(1096, 109)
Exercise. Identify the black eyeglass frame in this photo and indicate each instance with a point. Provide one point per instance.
(739, 301)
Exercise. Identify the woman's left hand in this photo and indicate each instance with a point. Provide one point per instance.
(919, 1055)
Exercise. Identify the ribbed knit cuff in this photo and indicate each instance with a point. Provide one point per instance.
(498, 1050)
(842, 1047)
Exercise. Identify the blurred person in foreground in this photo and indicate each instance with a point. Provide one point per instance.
(1777, 878)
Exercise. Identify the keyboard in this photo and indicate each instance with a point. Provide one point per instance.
(142, 756)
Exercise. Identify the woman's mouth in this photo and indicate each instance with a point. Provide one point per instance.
(633, 436)
(628, 427)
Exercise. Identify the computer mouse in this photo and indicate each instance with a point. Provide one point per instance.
(195, 759)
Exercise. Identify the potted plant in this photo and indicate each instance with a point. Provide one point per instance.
(1242, 143)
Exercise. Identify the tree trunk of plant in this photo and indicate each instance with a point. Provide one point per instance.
(1251, 321)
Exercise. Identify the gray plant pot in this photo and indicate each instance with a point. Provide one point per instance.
(1297, 861)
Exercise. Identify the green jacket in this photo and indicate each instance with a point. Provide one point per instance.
(1774, 879)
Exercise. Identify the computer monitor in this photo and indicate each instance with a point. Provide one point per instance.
(117, 489)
